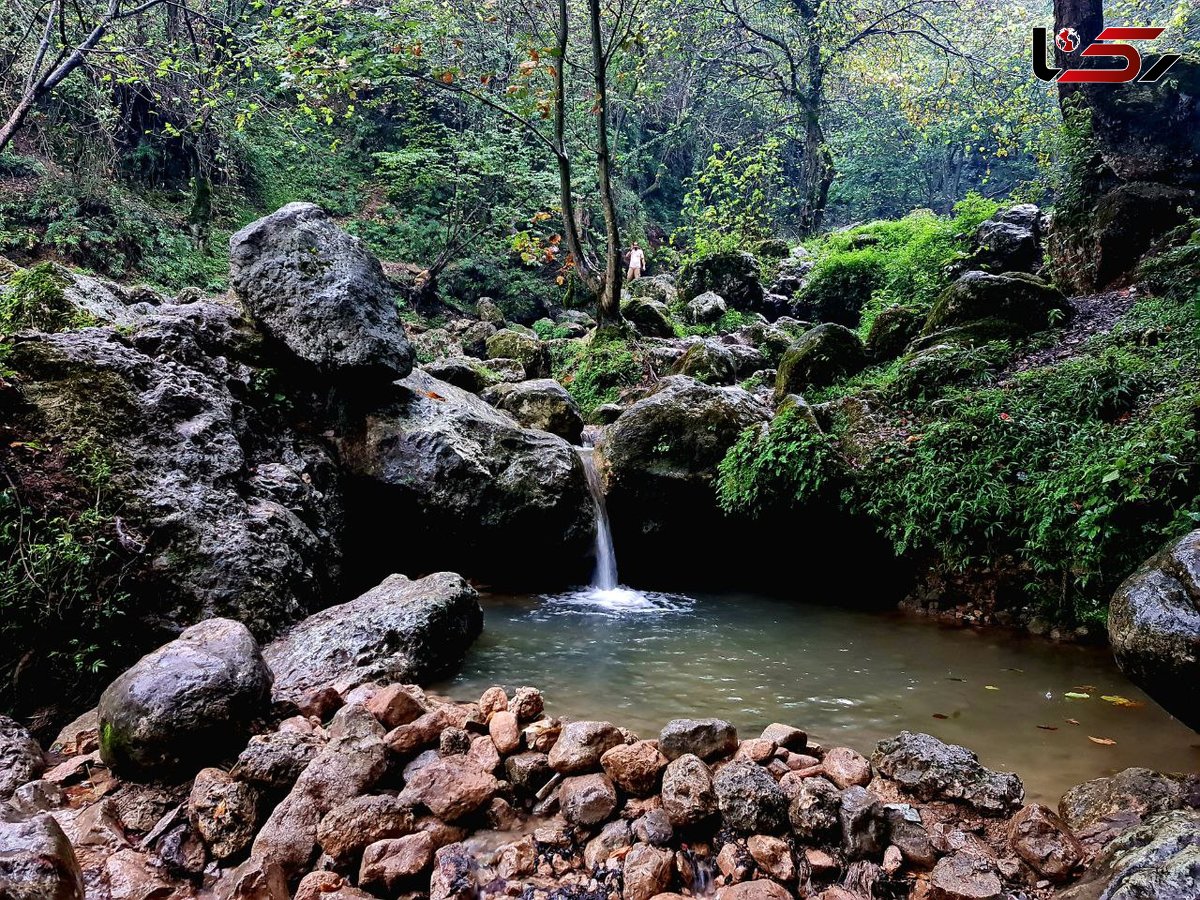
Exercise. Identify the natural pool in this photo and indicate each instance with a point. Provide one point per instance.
(846, 677)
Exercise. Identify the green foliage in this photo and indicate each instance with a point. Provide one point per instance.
(1175, 273)
(520, 292)
(34, 299)
(549, 331)
(596, 372)
(842, 282)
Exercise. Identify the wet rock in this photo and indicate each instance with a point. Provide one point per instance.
(346, 830)
(36, 859)
(734, 863)
(613, 838)
(494, 700)
(543, 404)
(1010, 241)
(387, 865)
(464, 372)
(964, 877)
(647, 872)
(846, 767)
(320, 703)
(1043, 840)
(275, 760)
(1121, 800)
(527, 704)
(192, 699)
(320, 293)
(399, 631)
(892, 330)
(398, 704)
(450, 788)
(749, 799)
(813, 810)
(132, 876)
(818, 358)
(654, 828)
(773, 856)
(581, 745)
(786, 736)
(182, 851)
(349, 765)
(587, 800)
(21, 758)
(757, 751)
(141, 806)
(530, 352)
(688, 795)
(706, 308)
(708, 739)
(255, 879)
(635, 768)
(864, 824)
(476, 489)
(650, 317)
(763, 889)
(1015, 304)
(1154, 627)
(733, 276)
(505, 733)
(38, 796)
(1157, 860)
(529, 771)
(930, 769)
(908, 835)
(224, 812)
(453, 874)
(481, 752)
(426, 730)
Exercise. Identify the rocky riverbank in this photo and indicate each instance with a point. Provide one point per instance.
(213, 769)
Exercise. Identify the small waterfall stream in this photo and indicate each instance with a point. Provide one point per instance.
(604, 578)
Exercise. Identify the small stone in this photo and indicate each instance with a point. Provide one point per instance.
(494, 700)
(455, 742)
(587, 800)
(224, 812)
(762, 889)
(580, 746)
(773, 856)
(320, 703)
(613, 838)
(328, 886)
(687, 792)
(21, 758)
(821, 863)
(517, 860)
(786, 736)
(450, 788)
(846, 767)
(398, 704)
(441, 833)
(505, 733)
(483, 754)
(893, 859)
(501, 816)
(708, 739)
(864, 823)
(909, 836)
(529, 771)
(1042, 839)
(964, 877)
(453, 874)
(635, 768)
(757, 750)
(388, 864)
(749, 799)
(733, 863)
(527, 704)
(647, 872)
(654, 827)
(346, 830)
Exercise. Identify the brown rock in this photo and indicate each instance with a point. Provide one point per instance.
(527, 704)
(528, 771)
(224, 812)
(821, 863)
(587, 800)
(688, 795)
(763, 889)
(635, 768)
(494, 700)
(131, 876)
(733, 863)
(450, 788)
(441, 833)
(328, 886)
(893, 859)
(964, 877)
(798, 762)
(347, 829)
(483, 754)
(581, 744)
(504, 731)
(388, 864)
(1042, 839)
(839, 893)
(846, 767)
(786, 736)
(455, 742)
(773, 855)
(517, 860)
(453, 874)
(757, 750)
(614, 838)
(255, 879)
(647, 872)
(398, 704)
(37, 861)
(320, 703)
(542, 734)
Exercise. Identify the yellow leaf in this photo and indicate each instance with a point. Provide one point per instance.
(1103, 742)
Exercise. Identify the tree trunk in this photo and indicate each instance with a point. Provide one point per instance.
(819, 170)
(16, 119)
(609, 301)
(1087, 18)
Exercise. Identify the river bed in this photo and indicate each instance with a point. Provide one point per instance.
(846, 677)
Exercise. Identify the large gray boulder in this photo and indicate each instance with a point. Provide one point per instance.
(1157, 860)
(542, 403)
(466, 488)
(189, 701)
(1154, 627)
(932, 770)
(320, 293)
(1011, 240)
(1105, 806)
(734, 276)
(36, 859)
(400, 631)
(21, 758)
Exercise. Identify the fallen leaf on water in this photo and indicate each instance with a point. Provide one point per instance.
(1011, 669)
(1072, 721)
(954, 678)
(1118, 700)
(990, 687)
(1077, 695)
(940, 716)
(1048, 727)
(1103, 742)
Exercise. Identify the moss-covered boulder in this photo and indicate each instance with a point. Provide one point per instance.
(542, 403)
(708, 362)
(1017, 303)
(1010, 241)
(892, 330)
(509, 343)
(706, 308)
(656, 287)
(839, 286)
(470, 374)
(734, 276)
(771, 340)
(651, 318)
(818, 358)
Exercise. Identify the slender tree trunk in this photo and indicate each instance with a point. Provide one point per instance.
(16, 119)
(1087, 18)
(609, 301)
(819, 170)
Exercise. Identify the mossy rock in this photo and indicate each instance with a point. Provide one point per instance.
(923, 375)
(837, 288)
(892, 330)
(508, 343)
(650, 317)
(707, 362)
(735, 276)
(656, 287)
(1023, 302)
(819, 358)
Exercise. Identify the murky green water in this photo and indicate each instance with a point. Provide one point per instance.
(846, 677)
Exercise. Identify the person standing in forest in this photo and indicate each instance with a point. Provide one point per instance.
(637, 262)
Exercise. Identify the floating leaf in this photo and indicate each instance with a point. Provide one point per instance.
(1118, 700)
(940, 716)
(1103, 742)
(1048, 727)
(990, 687)
(1077, 695)
(1072, 721)
(954, 678)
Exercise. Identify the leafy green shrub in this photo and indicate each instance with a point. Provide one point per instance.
(841, 284)
(595, 373)
(521, 293)
(34, 299)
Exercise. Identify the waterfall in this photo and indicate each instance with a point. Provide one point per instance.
(604, 578)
